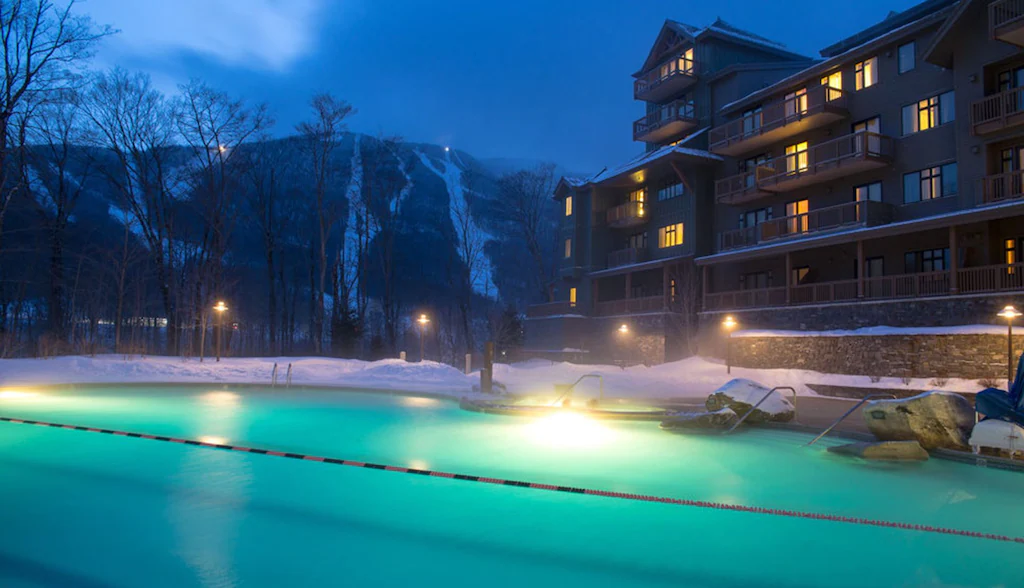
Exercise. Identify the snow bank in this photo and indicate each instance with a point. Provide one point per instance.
(881, 331)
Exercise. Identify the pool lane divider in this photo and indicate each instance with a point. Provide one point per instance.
(534, 486)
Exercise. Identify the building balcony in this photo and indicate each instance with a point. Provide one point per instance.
(632, 306)
(998, 111)
(552, 309)
(668, 122)
(626, 215)
(815, 222)
(993, 279)
(780, 120)
(1000, 188)
(742, 188)
(666, 80)
(1006, 21)
(626, 257)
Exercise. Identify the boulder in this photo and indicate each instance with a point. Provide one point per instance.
(934, 419)
(716, 421)
(740, 395)
(883, 451)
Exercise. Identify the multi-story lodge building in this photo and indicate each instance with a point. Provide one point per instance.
(880, 185)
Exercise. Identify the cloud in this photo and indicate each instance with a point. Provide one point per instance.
(253, 34)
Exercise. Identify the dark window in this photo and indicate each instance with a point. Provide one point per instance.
(756, 281)
(930, 183)
(637, 241)
(929, 260)
(907, 57)
(752, 218)
(670, 191)
(872, 192)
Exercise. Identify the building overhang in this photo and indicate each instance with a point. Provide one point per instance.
(638, 267)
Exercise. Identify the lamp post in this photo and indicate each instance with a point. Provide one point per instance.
(220, 307)
(423, 321)
(1009, 313)
(729, 324)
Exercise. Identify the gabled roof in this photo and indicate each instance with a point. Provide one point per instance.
(891, 22)
(940, 52)
(669, 151)
(675, 34)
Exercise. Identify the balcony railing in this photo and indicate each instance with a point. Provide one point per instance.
(778, 120)
(998, 111)
(1002, 187)
(626, 257)
(626, 215)
(631, 306)
(1006, 21)
(840, 157)
(551, 309)
(830, 218)
(971, 280)
(743, 187)
(668, 121)
(665, 80)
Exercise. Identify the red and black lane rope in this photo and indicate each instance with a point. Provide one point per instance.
(534, 486)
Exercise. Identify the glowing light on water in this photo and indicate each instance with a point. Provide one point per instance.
(419, 464)
(17, 394)
(569, 429)
(416, 401)
(212, 439)
(220, 398)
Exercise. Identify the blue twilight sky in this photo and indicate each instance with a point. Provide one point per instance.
(533, 79)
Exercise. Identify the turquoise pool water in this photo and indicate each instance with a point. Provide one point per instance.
(82, 509)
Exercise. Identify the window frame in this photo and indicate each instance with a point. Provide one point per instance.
(940, 110)
(568, 206)
(900, 65)
(672, 235)
(938, 176)
(865, 73)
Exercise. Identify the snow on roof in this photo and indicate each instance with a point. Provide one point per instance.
(574, 182)
(651, 157)
(824, 65)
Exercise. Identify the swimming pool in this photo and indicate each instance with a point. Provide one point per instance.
(94, 510)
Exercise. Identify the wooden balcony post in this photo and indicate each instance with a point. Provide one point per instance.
(789, 275)
(954, 261)
(704, 286)
(593, 295)
(860, 269)
(666, 289)
(629, 284)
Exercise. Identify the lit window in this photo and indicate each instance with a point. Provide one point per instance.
(796, 103)
(1011, 255)
(572, 297)
(834, 84)
(568, 248)
(670, 236)
(928, 113)
(930, 183)
(796, 157)
(798, 219)
(568, 206)
(866, 73)
(907, 57)
(640, 197)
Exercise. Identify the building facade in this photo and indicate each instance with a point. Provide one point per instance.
(879, 185)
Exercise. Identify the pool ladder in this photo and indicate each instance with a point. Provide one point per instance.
(848, 413)
(759, 403)
(568, 392)
(273, 377)
(287, 378)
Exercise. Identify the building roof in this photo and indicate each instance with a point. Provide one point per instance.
(940, 52)
(891, 22)
(887, 36)
(675, 151)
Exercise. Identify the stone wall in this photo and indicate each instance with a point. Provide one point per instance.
(650, 339)
(919, 356)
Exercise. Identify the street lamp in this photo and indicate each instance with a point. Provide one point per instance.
(220, 307)
(623, 329)
(729, 324)
(1009, 313)
(423, 321)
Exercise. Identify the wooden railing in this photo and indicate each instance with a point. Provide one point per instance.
(735, 188)
(671, 112)
(552, 309)
(626, 257)
(626, 212)
(631, 306)
(1004, 12)
(828, 155)
(997, 107)
(971, 280)
(777, 114)
(680, 66)
(993, 278)
(830, 218)
(1001, 187)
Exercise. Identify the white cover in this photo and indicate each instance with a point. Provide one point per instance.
(997, 434)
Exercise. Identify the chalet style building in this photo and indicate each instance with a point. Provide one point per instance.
(882, 184)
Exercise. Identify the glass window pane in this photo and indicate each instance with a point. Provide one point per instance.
(909, 119)
(947, 109)
(912, 187)
(949, 179)
(907, 57)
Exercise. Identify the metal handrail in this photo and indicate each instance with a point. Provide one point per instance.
(600, 396)
(759, 403)
(848, 413)
(288, 377)
(273, 377)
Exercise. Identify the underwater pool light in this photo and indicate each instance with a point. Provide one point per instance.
(568, 428)
(213, 439)
(16, 394)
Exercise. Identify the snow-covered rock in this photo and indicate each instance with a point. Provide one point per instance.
(934, 419)
(741, 395)
(718, 420)
(997, 434)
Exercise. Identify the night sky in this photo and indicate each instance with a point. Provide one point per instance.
(521, 79)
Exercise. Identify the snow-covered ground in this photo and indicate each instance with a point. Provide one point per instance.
(694, 378)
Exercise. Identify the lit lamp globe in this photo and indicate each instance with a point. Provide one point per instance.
(1009, 313)
(623, 329)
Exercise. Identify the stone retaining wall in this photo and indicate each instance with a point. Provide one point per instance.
(917, 356)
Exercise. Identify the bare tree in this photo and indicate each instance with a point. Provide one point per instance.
(133, 124)
(322, 135)
(472, 270)
(526, 197)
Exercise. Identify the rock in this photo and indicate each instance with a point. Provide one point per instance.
(718, 420)
(883, 451)
(934, 419)
(740, 395)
